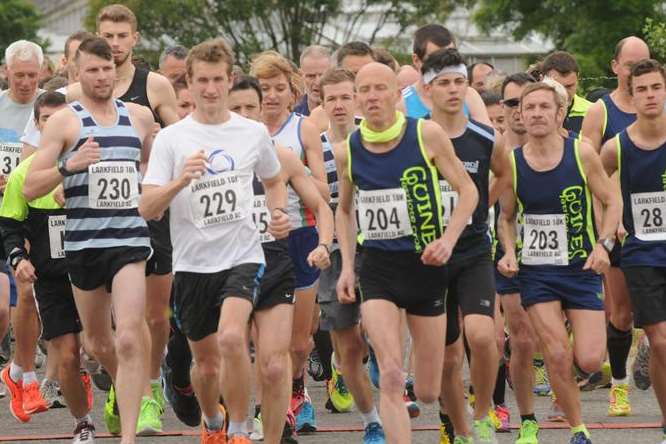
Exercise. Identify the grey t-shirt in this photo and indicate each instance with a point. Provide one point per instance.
(13, 118)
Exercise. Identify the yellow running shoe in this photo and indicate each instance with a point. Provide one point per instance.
(341, 399)
(619, 400)
(443, 436)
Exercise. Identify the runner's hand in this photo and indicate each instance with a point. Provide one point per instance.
(59, 195)
(3, 183)
(25, 271)
(319, 258)
(279, 226)
(346, 287)
(86, 155)
(508, 265)
(194, 168)
(621, 233)
(597, 260)
(437, 253)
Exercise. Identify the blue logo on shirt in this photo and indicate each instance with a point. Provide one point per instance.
(219, 161)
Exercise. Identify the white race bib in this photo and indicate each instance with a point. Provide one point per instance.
(383, 214)
(649, 211)
(57, 236)
(545, 240)
(219, 199)
(10, 156)
(449, 202)
(262, 218)
(113, 185)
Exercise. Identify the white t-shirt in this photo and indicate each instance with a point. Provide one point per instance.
(211, 219)
(31, 134)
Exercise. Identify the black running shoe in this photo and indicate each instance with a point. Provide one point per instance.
(185, 406)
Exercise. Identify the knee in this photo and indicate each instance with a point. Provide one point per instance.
(453, 363)
(273, 369)
(351, 353)
(99, 346)
(522, 345)
(427, 395)
(232, 341)
(69, 361)
(621, 317)
(560, 359)
(127, 345)
(157, 319)
(301, 345)
(591, 362)
(207, 369)
(658, 344)
(392, 381)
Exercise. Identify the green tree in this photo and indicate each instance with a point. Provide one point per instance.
(589, 29)
(284, 25)
(20, 20)
(655, 34)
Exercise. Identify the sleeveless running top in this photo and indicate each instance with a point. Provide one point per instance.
(331, 171)
(474, 148)
(102, 201)
(138, 92)
(643, 184)
(398, 197)
(555, 207)
(261, 218)
(615, 120)
(414, 106)
(289, 136)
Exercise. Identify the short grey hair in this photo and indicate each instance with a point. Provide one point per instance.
(177, 51)
(24, 51)
(317, 51)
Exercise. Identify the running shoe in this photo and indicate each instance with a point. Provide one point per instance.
(305, 418)
(183, 402)
(541, 382)
(340, 397)
(640, 366)
(484, 431)
(50, 391)
(556, 414)
(84, 433)
(158, 395)
(443, 435)
(463, 440)
(374, 434)
(289, 431)
(373, 367)
(87, 385)
(149, 422)
(412, 407)
(529, 432)
(315, 367)
(15, 391)
(111, 414)
(503, 414)
(33, 402)
(409, 386)
(239, 438)
(257, 429)
(580, 438)
(619, 400)
(102, 380)
(297, 398)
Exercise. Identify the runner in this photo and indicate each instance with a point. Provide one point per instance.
(637, 153)
(553, 181)
(279, 83)
(342, 320)
(606, 118)
(471, 287)
(172, 62)
(202, 169)
(562, 67)
(391, 161)
(273, 310)
(185, 104)
(428, 39)
(97, 143)
(478, 72)
(24, 60)
(315, 60)
(493, 102)
(42, 223)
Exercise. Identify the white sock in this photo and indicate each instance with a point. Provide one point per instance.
(15, 372)
(237, 428)
(370, 417)
(85, 418)
(29, 378)
(624, 380)
(214, 423)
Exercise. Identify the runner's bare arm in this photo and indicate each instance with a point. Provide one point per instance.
(477, 109)
(143, 122)
(314, 156)
(592, 127)
(163, 97)
(506, 231)
(345, 225)
(609, 156)
(501, 168)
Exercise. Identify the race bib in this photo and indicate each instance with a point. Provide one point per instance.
(219, 199)
(261, 218)
(10, 156)
(383, 214)
(449, 202)
(57, 236)
(113, 185)
(545, 240)
(648, 211)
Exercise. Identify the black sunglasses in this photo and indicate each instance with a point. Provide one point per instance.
(511, 103)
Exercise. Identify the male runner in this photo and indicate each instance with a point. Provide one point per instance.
(98, 143)
(471, 287)
(478, 72)
(273, 310)
(553, 181)
(315, 60)
(172, 62)
(493, 102)
(279, 82)
(202, 169)
(639, 155)
(393, 163)
(343, 320)
(24, 60)
(42, 222)
(606, 118)
(562, 67)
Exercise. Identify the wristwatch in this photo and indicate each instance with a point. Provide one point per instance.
(608, 244)
(16, 256)
(62, 168)
(327, 246)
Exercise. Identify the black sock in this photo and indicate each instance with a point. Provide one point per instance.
(297, 384)
(500, 384)
(448, 425)
(619, 344)
(257, 410)
(529, 417)
(322, 341)
(179, 359)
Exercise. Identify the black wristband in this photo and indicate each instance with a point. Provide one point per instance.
(328, 249)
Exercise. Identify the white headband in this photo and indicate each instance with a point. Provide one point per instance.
(456, 69)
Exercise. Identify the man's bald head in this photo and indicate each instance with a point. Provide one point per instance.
(376, 71)
(631, 45)
(377, 94)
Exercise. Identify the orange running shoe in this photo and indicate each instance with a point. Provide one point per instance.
(33, 402)
(15, 390)
(215, 436)
(239, 439)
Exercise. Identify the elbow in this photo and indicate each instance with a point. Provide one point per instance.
(144, 210)
(30, 192)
